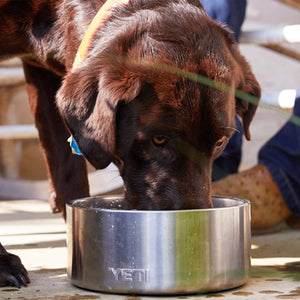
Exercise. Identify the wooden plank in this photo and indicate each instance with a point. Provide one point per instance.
(11, 76)
(292, 3)
(282, 50)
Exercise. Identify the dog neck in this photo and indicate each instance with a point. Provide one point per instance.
(95, 25)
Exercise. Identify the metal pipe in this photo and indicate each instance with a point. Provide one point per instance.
(20, 132)
(288, 34)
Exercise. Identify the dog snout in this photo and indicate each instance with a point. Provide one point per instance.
(196, 197)
(190, 189)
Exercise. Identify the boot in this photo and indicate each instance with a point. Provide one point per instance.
(268, 208)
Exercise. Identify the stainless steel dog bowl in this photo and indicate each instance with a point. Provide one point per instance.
(158, 252)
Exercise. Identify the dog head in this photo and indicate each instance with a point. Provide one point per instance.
(156, 96)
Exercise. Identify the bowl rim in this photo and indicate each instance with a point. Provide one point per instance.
(241, 203)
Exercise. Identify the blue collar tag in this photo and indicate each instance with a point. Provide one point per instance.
(74, 146)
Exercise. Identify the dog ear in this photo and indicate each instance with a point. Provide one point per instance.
(88, 104)
(249, 85)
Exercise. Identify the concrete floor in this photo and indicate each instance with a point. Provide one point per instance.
(29, 230)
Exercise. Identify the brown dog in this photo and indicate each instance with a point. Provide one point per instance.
(134, 100)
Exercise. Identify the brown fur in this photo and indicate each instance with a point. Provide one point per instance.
(128, 91)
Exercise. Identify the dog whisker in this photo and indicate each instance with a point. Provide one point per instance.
(232, 128)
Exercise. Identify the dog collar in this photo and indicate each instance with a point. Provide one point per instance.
(86, 42)
(96, 23)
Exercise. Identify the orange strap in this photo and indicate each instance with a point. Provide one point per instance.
(93, 27)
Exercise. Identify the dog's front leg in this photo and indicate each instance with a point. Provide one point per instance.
(67, 172)
(12, 271)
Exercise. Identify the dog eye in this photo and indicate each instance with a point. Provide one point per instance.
(159, 140)
(220, 141)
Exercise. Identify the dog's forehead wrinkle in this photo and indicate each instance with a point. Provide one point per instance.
(221, 111)
(216, 68)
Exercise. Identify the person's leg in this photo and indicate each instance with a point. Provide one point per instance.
(229, 12)
(281, 156)
(273, 185)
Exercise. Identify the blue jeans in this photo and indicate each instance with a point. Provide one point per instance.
(229, 12)
(281, 156)
(232, 13)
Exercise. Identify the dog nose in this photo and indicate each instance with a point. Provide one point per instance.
(195, 197)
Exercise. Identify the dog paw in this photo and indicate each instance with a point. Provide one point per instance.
(57, 204)
(53, 203)
(12, 271)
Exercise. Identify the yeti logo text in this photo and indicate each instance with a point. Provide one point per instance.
(137, 275)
